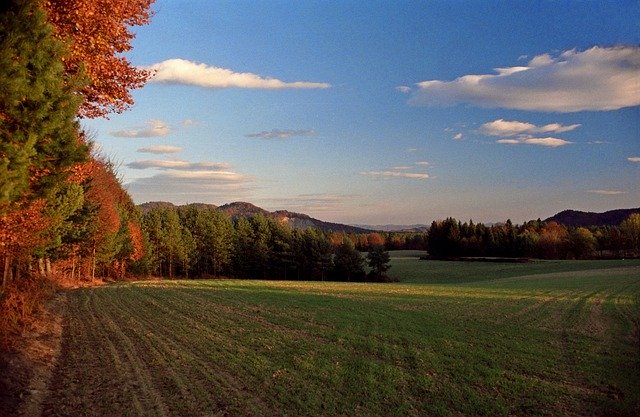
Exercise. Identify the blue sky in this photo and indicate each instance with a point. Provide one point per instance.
(386, 112)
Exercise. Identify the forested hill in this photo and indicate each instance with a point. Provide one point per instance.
(241, 209)
(582, 218)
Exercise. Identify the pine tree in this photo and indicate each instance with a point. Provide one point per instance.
(38, 105)
(378, 259)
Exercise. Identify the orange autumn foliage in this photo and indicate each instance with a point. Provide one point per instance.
(135, 232)
(21, 228)
(97, 32)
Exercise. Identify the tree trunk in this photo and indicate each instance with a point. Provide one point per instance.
(47, 264)
(93, 265)
(7, 271)
(73, 268)
(41, 266)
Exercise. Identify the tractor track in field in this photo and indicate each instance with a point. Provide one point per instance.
(112, 363)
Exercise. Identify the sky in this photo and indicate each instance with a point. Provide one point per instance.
(385, 112)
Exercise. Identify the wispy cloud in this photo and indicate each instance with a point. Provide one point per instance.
(403, 89)
(424, 163)
(600, 78)
(311, 203)
(548, 142)
(634, 159)
(161, 149)
(280, 134)
(607, 192)
(395, 174)
(181, 71)
(178, 164)
(458, 136)
(182, 181)
(153, 128)
(505, 128)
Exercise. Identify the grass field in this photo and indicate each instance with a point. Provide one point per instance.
(548, 338)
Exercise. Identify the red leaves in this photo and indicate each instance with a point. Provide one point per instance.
(97, 31)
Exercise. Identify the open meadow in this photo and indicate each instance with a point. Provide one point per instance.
(453, 338)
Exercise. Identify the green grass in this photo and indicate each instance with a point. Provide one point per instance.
(405, 265)
(558, 340)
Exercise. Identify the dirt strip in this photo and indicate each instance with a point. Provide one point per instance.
(25, 374)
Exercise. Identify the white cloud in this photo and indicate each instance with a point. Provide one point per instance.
(178, 164)
(280, 134)
(401, 168)
(458, 136)
(182, 181)
(634, 159)
(607, 192)
(548, 142)
(187, 187)
(395, 174)
(160, 149)
(403, 89)
(421, 163)
(600, 78)
(153, 128)
(181, 71)
(501, 127)
(311, 203)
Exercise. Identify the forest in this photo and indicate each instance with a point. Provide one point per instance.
(62, 207)
(200, 241)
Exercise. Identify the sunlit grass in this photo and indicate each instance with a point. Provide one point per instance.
(554, 343)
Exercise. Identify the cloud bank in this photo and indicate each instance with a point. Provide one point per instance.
(183, 181)
(598, 79)
(153, 128)
(181, 71)
(281, 134)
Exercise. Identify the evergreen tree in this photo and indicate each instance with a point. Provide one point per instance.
(348, 263)
(38, 105)
(378, 260)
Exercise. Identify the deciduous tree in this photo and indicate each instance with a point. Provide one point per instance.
(98, 32)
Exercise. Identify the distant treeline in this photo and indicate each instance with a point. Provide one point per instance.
(197, 241)
(534, 239)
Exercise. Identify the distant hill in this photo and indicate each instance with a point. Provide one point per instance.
(582, 218)
(239, 209)
(396, 227)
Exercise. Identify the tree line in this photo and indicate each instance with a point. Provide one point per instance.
(61, 204)
(200, 241)
(533, 239)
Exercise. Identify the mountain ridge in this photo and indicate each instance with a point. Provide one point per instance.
(587, 218)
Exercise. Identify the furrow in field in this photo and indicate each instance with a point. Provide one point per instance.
(87, 343)
(195, 351)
